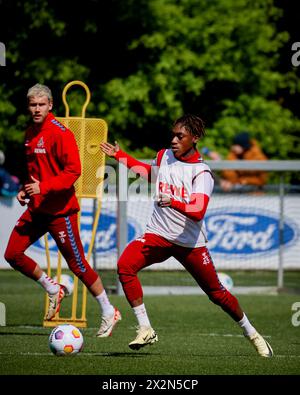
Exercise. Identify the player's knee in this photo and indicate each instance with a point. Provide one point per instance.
(124, 268)
(18, 261)
(88, 276)
(12, 256)
(126, 274)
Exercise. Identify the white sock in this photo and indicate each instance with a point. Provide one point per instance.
(106, 307)
(141, 315)
(248, 329)
(48, 284)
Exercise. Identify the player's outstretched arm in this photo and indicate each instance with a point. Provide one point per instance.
(135, 165)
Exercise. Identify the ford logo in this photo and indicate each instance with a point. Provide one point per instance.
(106, 235)
(246, 231)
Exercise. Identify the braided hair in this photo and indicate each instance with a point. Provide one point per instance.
(193, 124)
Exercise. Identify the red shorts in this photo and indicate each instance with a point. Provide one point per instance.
(151, 248)
(64, 230)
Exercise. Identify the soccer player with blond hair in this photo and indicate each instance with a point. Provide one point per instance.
(53, 165)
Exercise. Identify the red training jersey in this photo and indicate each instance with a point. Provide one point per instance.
(53, 159)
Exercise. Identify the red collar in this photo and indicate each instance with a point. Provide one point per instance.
(47, 120)
(194, 158)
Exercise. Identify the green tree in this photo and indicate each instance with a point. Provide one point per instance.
(218, 59)
(148, 61)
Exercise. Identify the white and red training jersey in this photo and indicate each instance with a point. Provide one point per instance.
(180, 180)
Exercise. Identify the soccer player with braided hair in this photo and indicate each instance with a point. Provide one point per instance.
(184, 184)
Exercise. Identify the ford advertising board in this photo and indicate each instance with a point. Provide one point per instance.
(242, 234)
(247, 231)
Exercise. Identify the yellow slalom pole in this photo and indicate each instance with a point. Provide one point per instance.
(89, 133)
(48, 269)
(79, 187)
(94, 231)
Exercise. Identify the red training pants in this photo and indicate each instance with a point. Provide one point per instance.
(151, 248)
(64, 230)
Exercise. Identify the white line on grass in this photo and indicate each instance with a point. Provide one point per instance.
(102, 354)
(95, 329)
(43, 354)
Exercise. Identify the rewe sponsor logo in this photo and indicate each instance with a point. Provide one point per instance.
(179, 191)
(241, 232)
(40, 151)
(106, 235)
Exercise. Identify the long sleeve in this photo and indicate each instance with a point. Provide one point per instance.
(194, 210)
(67, 154)
(137, 166)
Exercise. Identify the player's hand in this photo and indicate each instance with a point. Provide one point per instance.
(164, 200)
(109, 149)
(34, 188)
(21, 197)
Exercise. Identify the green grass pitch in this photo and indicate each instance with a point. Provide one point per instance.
(195, 337)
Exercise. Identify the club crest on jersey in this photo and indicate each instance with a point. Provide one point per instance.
(40, 147)
(40, 143)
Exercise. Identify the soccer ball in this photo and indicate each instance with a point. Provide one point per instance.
(226, 281)
(67, 281)
(65, 340)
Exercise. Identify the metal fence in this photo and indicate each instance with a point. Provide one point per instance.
(286, 252)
